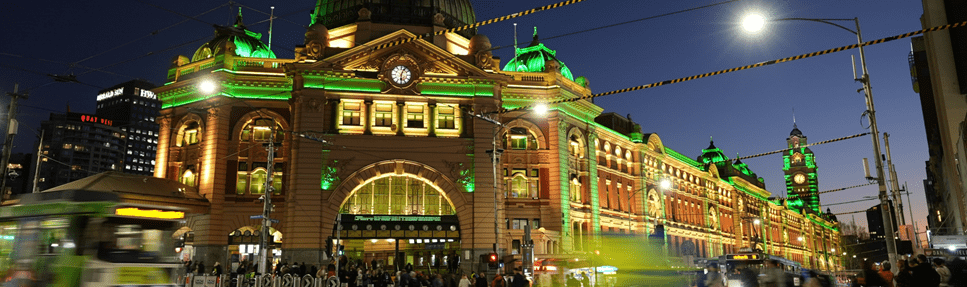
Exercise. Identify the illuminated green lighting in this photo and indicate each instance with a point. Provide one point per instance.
(329, 175)
(465, 90)
(595, 200)
(343, 84)
(533, 59)
(680, 157)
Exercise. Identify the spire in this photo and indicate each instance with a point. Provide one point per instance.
(794, 118)
(238, 19)
(535, 41)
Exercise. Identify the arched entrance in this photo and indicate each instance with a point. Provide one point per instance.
(402, 215)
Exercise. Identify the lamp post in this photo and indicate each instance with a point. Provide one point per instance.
(754, 23)
(495, 153)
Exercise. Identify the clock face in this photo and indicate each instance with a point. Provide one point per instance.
(401, 75)
(799, 178)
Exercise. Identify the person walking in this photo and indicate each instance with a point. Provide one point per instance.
(886, 274)
(772, 276)
(904, 275)
(924, 274)
(585, 280)
(714, 278)
(481, 280)
(813, 280)
(943, 271)
(498, 281)
(871, 276)
(217, 269)
(520, 281)
(464, 282)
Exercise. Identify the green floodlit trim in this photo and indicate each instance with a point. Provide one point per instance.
(565, 188)
(595, 200)
(271, 96)
(252, 50)
(681, 157)
(823, 224)
(749, 192)
(592, 122)
(466, 90)
(343, 84)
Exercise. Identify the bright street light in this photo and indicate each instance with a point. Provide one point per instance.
(753, 23)
(756, 221)
(207, 86)
(540, 109)
(666, 184)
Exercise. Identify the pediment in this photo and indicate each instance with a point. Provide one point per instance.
(430, 58)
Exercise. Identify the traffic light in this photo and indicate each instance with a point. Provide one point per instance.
(492, 260)
(329, 246)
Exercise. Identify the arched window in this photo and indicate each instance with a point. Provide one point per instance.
(520, 185)
(261, 130)
(520, 138)
(189, 177)
(189, 134)
(576, 146)
(258, 177)
(398, 195)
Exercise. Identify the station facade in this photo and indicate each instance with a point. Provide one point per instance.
(384, 140)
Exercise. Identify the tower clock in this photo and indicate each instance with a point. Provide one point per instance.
(799, 167)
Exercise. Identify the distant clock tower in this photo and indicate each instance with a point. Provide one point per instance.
(799, 166)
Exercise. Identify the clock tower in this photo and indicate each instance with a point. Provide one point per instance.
(799, 166)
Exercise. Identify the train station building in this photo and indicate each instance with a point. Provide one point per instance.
(382, 142)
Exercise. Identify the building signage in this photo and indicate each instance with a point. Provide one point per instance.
(743, 257)
(945, 252)
(97, 120)
(397, 218)
(110, 94)
(148, 94)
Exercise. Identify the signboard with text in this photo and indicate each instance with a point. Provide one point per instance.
(357, 226)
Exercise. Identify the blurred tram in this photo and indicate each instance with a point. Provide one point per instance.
(755, 262)
(87, 238)
(637, 261)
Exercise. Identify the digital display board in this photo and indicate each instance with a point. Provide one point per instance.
(743, 257)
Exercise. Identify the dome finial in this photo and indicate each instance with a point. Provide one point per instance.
(535, 42)
(238, 19)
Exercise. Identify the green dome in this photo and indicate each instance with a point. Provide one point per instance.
(712, 154)
(247, 43)
(534, 58)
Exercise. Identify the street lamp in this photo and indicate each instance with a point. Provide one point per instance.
(749, 23)
(539, 109)
(206, 86)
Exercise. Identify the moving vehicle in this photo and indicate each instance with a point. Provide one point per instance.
(754, 262)
(87, 238)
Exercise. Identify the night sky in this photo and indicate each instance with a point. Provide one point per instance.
(745, 112)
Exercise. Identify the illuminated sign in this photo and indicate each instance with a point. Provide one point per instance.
(396, 218)
(110, 94)
(149, 213)
(97, 120)
(148, 94)
(744, 257)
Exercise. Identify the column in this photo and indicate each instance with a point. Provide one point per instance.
(366, 120)
(431, 120)
(400, 123)
(333, 115)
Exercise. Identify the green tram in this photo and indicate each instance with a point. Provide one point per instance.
(87, 238)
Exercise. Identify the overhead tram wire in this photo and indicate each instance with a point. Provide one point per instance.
(788, 149)
(155, 32)
(756, 65)
(452, 57)
(478, 24)
(270, 15)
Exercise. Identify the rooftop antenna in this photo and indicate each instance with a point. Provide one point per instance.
(793, 115)
(271, 18)
(515, 40)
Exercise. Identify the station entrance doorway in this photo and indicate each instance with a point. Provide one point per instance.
(398, 221)
(423, 243)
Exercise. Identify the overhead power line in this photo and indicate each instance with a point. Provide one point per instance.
(746, 67)
(788, 149)
(478, 24)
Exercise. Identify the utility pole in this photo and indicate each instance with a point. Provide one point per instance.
(11, 132)
(267, 203)
(897, 197)
(40, 149)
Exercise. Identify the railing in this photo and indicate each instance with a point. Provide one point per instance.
(268, 280)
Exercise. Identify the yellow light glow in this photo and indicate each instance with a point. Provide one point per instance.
(518, 136)
(149, 213)
(753, 23)
(343, 37)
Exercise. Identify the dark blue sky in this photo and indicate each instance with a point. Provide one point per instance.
(746, 112)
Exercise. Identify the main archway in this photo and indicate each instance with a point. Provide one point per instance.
(398, 213)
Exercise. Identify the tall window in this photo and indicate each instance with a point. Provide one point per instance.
(414, 116)
(520, 138)
(575, 189)
(261, 130)
(522, 185)
(351, 113)
(189, 177)
(384, 115)
(253, 180)
(446, 116)
(190, 134)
